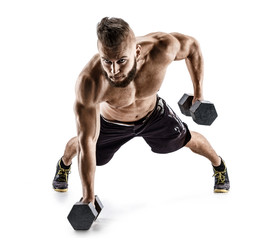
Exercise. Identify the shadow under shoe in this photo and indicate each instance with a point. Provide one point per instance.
(60, 181)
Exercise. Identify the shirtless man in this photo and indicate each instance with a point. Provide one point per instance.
(116, 100)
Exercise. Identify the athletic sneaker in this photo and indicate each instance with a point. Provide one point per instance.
(221, 181)
(60, 182)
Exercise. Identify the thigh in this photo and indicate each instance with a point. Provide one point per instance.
(166, 133)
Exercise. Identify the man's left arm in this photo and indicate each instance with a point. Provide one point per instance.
(189, 49)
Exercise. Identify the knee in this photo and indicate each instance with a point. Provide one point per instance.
(193, 143)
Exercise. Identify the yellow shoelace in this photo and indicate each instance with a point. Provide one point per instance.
(220, 176)
(63, 173)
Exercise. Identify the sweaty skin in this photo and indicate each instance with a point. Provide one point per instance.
(95, 96)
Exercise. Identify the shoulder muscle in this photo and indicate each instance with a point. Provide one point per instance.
(165, 46)
(88, 83)
(187, 45)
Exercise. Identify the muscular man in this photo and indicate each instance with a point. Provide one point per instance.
(116, 100)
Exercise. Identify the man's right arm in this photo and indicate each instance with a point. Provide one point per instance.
(88, 124)
(189, 49)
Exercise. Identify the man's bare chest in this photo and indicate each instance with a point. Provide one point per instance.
(145, 85)
(125, 97)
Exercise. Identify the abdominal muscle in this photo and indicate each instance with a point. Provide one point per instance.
(130, 111)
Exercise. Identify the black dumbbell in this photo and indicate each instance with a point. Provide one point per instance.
(202, 112)
(82, 215)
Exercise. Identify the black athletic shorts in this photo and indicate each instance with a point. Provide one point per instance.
(161, 129)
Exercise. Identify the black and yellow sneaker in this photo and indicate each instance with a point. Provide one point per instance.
(60, 181)
(221, 179)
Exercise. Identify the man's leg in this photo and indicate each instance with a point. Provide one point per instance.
(70, 151)
(200, 145)
(60, 181)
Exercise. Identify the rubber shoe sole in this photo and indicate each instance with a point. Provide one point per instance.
(221, 191)
(60, 190)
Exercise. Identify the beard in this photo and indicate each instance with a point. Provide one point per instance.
(126, 81)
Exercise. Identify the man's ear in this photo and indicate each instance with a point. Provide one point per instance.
(138, 51)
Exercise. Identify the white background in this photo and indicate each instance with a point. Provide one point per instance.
(43, 47)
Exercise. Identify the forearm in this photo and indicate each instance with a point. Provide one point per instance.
(87, 112)
(195, 65)
(87, 168)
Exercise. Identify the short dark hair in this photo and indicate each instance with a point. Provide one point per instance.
(112, 31)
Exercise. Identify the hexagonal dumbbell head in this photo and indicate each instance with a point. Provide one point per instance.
(82, 215)
(203, 112)
(185, 103)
